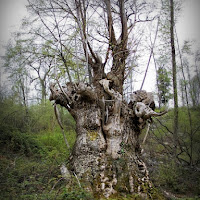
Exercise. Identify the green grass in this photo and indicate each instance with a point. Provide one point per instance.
(32, 151)
(30, 165)
(55, 145)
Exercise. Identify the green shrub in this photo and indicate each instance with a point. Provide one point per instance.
(28, 178)
(42, 118)
(55, 145)
(22, 143)
(169, 176)
(77, 194)
(32, 119)
(32, 148)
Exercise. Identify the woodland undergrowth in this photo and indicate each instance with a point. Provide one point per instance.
(32, 150)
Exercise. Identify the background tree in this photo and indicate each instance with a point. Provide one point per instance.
(168, 17)
(174, 73)
(163, 84)
(18, 74)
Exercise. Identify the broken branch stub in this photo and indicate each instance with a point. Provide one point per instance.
(144, 97)
(116, 95)
(144, 105)
(144, 111)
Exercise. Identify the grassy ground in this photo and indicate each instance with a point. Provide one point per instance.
(32, 150)
(30, 165)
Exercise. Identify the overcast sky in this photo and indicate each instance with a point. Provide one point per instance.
(12, 11)
(189, 22)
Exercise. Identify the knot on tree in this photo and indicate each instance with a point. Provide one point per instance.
(72, 93)
(143, 106)
(144, 97)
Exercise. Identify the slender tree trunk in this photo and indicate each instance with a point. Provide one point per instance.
(24, 99)
(151, 53)
(182, 94)
(197, 71)
(43, 88)
(157, 84)
(187, 101)
(174, 73)
(191, 91)
(23, 94)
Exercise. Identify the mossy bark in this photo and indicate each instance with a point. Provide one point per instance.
(106, 154)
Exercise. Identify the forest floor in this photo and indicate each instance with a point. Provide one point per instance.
(174, 181)
(30, 165)
(31, 157)
(30, 169)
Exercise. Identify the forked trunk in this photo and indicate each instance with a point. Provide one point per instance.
(106, 154)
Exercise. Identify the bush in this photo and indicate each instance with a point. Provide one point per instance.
(32, 149)
(30, 165)
(169, 176)
(42, 118)
(17, 142)
(78, 194)
(55, 145)
(33, 119)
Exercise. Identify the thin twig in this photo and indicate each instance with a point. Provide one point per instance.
(68, 99)
(60, 124)
(56, 184)
(145, 137)
(77, 180)
(164, 126)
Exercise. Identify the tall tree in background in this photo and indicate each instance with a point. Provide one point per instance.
(163, 84)
(174, 74)
(107, 151)
(195, 82)
(31, 64)
(18, 74)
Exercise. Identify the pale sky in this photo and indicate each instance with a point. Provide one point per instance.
(189, 22)
(11, 13)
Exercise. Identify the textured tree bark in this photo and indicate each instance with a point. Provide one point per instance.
(107, 153)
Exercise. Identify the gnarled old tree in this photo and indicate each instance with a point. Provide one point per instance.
(106, 154)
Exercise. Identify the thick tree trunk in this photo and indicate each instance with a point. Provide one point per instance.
(106, 155)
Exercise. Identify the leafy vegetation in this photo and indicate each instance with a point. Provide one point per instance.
(31, 152)
(180, 176)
